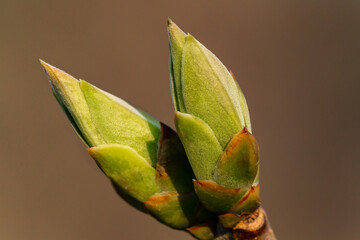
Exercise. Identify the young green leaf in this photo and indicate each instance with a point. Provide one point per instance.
(209, 92)
(174, 209)
(127, 169)
(201, 146)
(177, 41)
(68, 93)
(238, 165)
(120, 123)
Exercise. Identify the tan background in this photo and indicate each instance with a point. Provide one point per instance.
(297, 62)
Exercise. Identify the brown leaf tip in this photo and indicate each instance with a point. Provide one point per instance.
(91, 151)
(169, 22)
(216, 187)
(244, 131)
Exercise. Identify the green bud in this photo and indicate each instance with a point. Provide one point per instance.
(204, 86)
(213, 123)
(143, 158)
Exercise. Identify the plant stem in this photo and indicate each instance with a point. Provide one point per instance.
(254, 226)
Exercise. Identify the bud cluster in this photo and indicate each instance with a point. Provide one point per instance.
(208, 169)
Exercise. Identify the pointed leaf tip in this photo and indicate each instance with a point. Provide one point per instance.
(54, 73)
(176, 41)
(169, 22)
(68, 93)
(172, 27)
(90, 151)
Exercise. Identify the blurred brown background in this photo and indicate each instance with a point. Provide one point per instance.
(297, 62)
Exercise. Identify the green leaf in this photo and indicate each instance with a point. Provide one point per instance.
(172, 83)
(68, 93)
(120, 123)
(71, 119)
(209, 91)
(200, 143)
(244, 106)
(216, 198)
(238, 165)
(174, 209)
(123, 165)
(177, 41)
